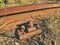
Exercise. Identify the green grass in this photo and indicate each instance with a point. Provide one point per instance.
(22, 2)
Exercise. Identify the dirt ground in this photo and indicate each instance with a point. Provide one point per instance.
(17, 19)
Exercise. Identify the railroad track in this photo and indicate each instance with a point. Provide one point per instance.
(17, 15)
(26, 9)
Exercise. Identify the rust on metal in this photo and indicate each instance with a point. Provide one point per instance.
(18, 9)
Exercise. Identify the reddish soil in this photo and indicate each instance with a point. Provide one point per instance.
(18, 18)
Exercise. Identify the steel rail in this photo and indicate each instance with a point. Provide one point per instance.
(23, 10)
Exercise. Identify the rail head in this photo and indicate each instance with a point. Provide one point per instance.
(18, 9)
